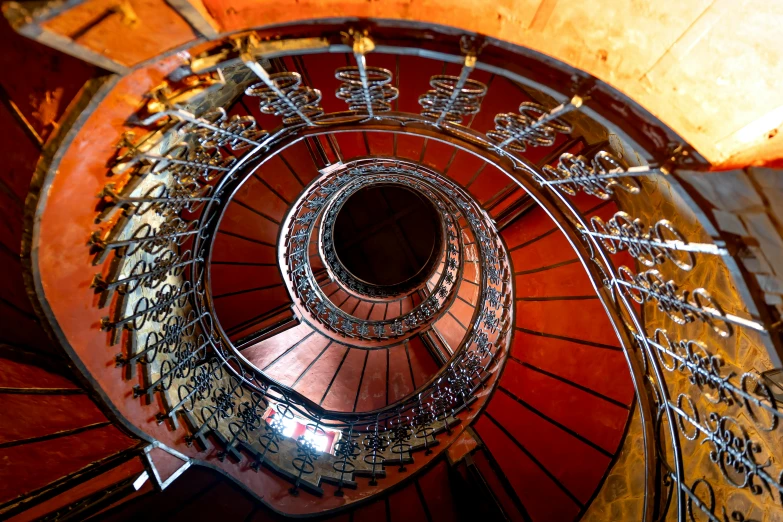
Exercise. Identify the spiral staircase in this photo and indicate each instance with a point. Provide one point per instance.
(264, 263)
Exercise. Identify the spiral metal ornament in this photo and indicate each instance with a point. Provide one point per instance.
(530, 127)
(196, 388)
(181, 365)
(273, 432)
(421, 425)
(461, 383)
(191, 163)
(146, 238)
(165, 201)
(223, 406)
(375, 443)
(682, 307)
(376, 92)
(306, 455)
(247, 421)
(731, 448)
(650, 246)
(287, 98)
(151, 309)
(708, 373)
(452, 99)
(399, 439)
(442, 404)
(347, 450)
(236, 132)
(163, 341)
(600, 177)
(145, 274)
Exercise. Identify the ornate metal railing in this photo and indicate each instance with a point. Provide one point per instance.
(324, 201)
(177, 181)
(401, 290)
(158, 270)
(326, 196)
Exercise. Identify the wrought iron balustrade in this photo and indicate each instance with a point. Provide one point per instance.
(329, 193)
(187, 359)
(159, 272)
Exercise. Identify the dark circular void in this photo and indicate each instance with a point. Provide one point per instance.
(387, 235)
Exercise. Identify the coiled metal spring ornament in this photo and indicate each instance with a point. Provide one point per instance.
(450, 101)
(287, 98)
(375, 90)
(599, 177)
(534, 126)
(649, 245)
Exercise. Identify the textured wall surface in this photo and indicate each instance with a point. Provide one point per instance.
(709, 70)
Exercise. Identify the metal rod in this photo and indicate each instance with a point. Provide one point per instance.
(555, 113)
(672, 244)
(261, 73)
(467, 68)
(613, 174)
(684, 305)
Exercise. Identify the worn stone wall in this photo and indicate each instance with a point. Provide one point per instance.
(747, 206)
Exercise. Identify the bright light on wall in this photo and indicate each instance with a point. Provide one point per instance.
(318, 441)
(289, 426)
